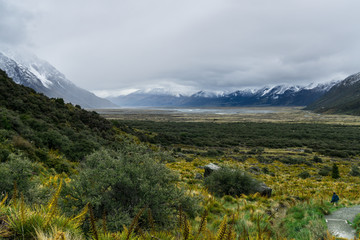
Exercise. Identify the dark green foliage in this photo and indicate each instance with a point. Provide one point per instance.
(258, 150)
(355, 171)
(121, 183)
(327, 139)
(31, 121)
(17, 169)
(325, 171)
(4, 154)
(304, 175)
(289, 160)
(213, 153)
(317, 159)
(335, 171)
(234, 182)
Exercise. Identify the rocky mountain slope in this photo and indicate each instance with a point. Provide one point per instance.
(344, 98)
(28, 70)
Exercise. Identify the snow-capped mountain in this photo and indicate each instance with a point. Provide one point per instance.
(28, 70)
(351, 80)
(343, 97)
(280, 95)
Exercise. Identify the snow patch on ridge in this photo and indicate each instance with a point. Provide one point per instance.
(42, 78)
(351, 80)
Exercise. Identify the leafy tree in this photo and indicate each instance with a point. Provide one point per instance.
(335, 171)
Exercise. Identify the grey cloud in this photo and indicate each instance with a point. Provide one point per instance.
(13, 24)
(203, 44)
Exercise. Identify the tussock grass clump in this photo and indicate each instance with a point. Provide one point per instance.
(26, 222)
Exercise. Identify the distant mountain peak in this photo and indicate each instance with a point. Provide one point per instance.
(208, 94)
(352, 79)
(27, 69)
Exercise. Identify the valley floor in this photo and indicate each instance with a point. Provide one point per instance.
(300, 176)
(245, 114)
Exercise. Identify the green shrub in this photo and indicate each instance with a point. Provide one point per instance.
(335, 171)
(304, 175)
(17, 169)
(213, 153)
(234, 182)
(4, 154)
(355, 171)
(325, 171)
(228, 198)
(317, 159)
(289, 160)
(120, 183)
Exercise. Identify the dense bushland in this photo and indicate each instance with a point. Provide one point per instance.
(35, 124)
(331, 140)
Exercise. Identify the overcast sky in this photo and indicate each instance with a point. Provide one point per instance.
(188, 44)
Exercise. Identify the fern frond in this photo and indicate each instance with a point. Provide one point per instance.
(151, 221)
(230, 231)
(52, 205)
(222, 229)
(92, 223)
(104, 225)
(53, 201)
(22, 208)
(186, 231)
(79, 219)
(14, 196)
(203, 222)
(134, 222)
(3, 200)
(180, 217)
(141, 232)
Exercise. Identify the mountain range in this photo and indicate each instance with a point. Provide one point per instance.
(280, 95)
(28, 70)
(333, 97)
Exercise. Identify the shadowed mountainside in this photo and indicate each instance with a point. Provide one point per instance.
(342, 98)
